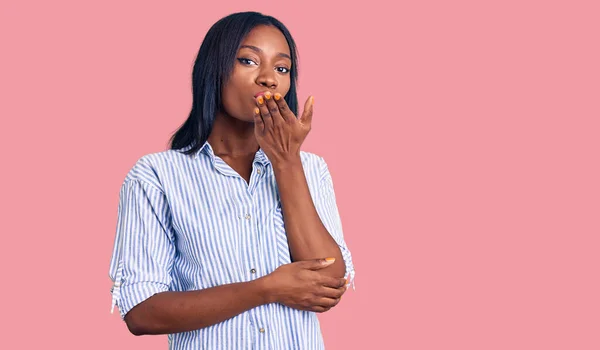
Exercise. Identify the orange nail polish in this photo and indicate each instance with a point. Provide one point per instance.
(256, 110)
(268, 95)
(330, 259)
(277, 96)
(260, 100)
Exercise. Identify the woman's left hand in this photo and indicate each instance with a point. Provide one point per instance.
(278, 132)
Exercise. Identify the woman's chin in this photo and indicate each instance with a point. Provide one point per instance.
(241, 117)
(246, 119)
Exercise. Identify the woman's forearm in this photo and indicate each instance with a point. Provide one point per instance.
(307, 236)
(175, 312)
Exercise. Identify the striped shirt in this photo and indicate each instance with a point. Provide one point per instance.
(189, 222)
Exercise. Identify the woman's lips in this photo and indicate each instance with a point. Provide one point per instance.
(259, 94)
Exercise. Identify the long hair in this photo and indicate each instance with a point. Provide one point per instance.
(213, 67)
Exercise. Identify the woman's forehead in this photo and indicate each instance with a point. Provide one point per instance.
(267, 39)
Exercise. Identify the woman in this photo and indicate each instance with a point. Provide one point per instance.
(202, 250)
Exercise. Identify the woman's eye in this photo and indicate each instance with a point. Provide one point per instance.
(246, 61)
(250, 62)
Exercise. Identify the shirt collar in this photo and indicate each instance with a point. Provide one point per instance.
(259, 157)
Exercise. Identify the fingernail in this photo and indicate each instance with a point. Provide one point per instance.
(330, 259)
(256, 110)
(277, 96)
(312, 100)
(260, 100)
(268, 95)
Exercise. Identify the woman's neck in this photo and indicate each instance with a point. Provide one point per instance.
(232, 137)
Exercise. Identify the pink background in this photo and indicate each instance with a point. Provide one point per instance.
(463, 138)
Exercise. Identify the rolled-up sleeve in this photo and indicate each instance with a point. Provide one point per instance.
(144, 249)
(327, 209)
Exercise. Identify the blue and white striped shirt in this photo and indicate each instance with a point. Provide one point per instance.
(192, 222)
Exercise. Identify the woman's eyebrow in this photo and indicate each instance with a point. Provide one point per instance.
(254, 48)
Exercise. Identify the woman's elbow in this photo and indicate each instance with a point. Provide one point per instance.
(135, 324)
(338, 269)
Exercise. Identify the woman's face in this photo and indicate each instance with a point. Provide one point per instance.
(263, 63)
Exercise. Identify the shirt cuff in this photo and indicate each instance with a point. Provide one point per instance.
(133, 294)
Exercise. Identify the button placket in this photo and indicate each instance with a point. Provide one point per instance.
(252, 219)
(253, 269)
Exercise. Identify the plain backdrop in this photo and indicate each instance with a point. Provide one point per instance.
(462, 136)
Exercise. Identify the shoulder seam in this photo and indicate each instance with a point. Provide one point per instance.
(143, 182)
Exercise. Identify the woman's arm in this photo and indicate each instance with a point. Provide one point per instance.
(280, 134)
(307, 236)
(298, 285)
(174, 312)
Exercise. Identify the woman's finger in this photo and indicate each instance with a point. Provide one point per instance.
(326, 302)
(334, 293)
(332, 282)
(284, 110)
(259, 125)
(264, 112)
(307, 114)
(318, 309)
(273, 109)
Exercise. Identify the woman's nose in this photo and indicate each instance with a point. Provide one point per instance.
(267, 79)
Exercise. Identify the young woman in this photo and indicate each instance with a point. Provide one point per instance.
(232, 239)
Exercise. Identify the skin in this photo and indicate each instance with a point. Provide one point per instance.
(244, 124)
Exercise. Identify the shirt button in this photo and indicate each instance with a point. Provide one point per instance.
(253, 271)
(258, 171)
(248, 216)
(262, 330)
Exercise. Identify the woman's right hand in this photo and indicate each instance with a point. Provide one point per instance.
(299, 285)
